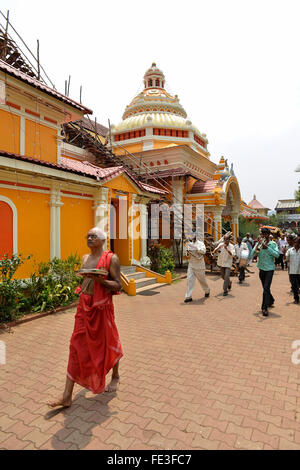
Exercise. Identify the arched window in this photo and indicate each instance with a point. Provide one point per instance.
(150, 82)
(157, 82)
(8, 227)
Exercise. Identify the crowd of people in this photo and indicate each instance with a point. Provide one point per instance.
(265, 250)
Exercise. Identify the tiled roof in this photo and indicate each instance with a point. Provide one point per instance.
(4, 67)
(86, 169)
(89, 169)
(287, 204)
(204, 186)
(252, 215)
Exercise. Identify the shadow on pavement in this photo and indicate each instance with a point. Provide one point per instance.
(260, 316)
(195, 302)
(80, 419)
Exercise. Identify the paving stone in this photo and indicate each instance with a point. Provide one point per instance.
(227, 383)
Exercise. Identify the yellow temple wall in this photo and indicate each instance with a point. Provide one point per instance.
(160, 144)
(77, 218)
(33, 214)
(132, 148)
(40, 141)
(120, 183)
(9, 132)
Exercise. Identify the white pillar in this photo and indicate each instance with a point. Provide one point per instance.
(178, 188)
(218, 223)
(101, 210)
(148, 140)
(55, 205)
(145, 260)
(132, 235)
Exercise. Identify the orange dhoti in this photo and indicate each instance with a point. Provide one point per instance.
(95, 345)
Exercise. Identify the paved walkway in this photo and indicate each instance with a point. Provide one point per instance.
(213, 374)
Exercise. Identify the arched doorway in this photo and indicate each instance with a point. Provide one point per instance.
(231, 210)
(6, 229)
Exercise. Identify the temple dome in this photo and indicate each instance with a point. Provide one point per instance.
(155, 107)
(166, 120)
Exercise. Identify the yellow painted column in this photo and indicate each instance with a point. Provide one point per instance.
(218, 223)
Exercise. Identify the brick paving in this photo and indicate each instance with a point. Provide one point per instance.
(212, 374)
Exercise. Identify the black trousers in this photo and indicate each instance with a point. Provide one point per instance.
(295, 281)
(242, 273)
(280, 261)
(266, 280)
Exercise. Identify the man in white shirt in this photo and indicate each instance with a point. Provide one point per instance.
(196, 269)
(293, 259)
(282, 245)
(226, 253)
(250, 243)
(242, 255)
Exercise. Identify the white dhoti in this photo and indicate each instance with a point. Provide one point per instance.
(192, 274)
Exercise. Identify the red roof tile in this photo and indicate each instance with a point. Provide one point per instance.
(252, 215)
(204, 186)
(89, 169)
(86, 169)
(41, 86)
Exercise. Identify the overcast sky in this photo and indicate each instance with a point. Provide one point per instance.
(233, 63)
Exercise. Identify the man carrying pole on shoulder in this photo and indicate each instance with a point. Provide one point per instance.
(267, 251)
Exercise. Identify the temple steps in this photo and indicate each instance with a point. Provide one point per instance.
(143, 283)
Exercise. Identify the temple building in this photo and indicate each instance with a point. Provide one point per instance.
(156, 138)
(52, 191)
(61, 173)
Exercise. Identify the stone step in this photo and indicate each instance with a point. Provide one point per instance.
(128, 269)
(144, 281)
(137, 275)
(151, 287)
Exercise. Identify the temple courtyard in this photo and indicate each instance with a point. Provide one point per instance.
(211, 374)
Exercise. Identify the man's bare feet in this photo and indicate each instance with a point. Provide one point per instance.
(114, 384)
(63, 402)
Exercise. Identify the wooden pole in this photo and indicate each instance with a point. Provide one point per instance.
(38, 59)
(69, 85)
(80, 94)
(109, 134)
(4, 51)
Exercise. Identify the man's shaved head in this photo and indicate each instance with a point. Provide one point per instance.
(99, 232)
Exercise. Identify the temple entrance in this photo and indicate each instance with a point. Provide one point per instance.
(118, 232)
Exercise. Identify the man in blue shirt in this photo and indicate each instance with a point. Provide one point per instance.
(266, 265)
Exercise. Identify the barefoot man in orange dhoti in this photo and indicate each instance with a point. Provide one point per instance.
(95, 346)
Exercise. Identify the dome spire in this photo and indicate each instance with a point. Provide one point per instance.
(154, 78)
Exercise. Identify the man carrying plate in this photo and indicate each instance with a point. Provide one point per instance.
(95, 346)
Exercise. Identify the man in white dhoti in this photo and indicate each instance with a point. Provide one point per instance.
(196, 269)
